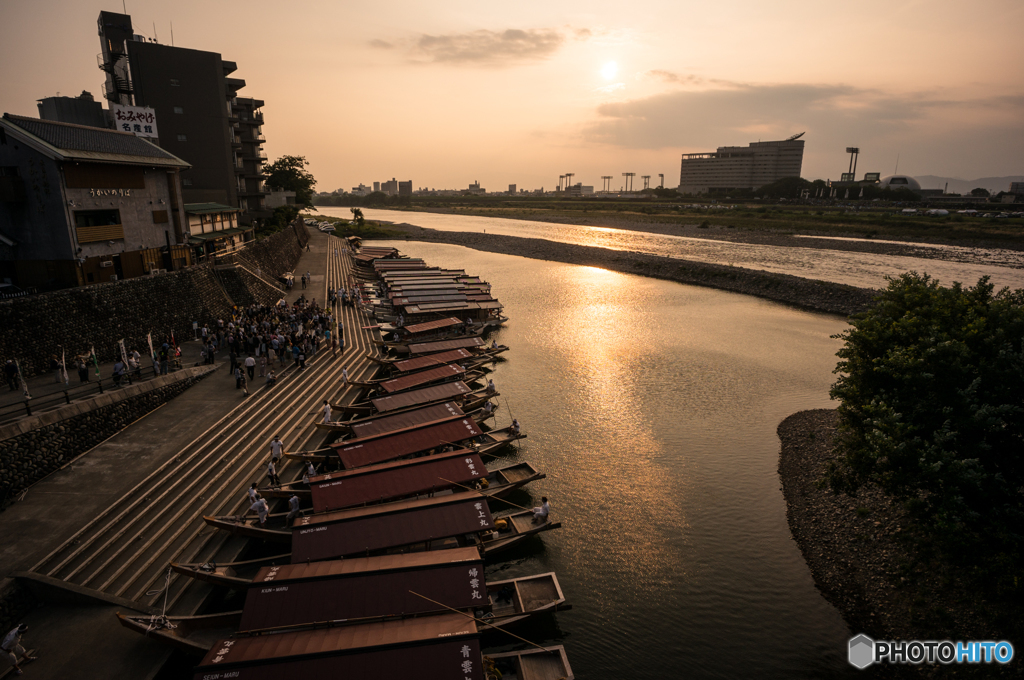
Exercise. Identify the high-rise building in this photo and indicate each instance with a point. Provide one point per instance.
(199, 114)
(390, 188)
(511, 189)
(405, 188)
(741, 167)
(376, 186)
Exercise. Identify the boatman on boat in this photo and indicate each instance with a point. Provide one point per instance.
(491, 389)
(261, 509)
(514, 429)
(293, 509)
(540, 514)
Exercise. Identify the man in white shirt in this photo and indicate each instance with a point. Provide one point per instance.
(540, 515)
(491, 389)
(272, 474)
(327, 412)
(261, 509)
(12, 649)
(276, 449)
(293, 509)
(253, 494)
(344, 376)
(250, 366)
(515, 428)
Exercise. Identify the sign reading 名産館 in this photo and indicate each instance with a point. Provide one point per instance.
(139, 120)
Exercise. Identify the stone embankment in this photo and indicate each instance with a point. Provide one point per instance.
(37, 326)
(35, 446)
(822, 296)
(865, 559)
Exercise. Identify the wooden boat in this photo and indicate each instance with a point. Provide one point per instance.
(467, 398)
(447, 520)
(477, 350)
(551, 663)
(479, 415)
(502, 603)
(436, 476)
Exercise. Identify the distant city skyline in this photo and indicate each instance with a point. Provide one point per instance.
(454, 92)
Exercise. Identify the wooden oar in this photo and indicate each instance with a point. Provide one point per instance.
(490, 625)
(469, 488)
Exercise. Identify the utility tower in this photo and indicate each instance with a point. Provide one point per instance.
(607, 179)
(561, 178)
(647, 181)
(568, 179)
(852, 174)
(661, 183)
(629, 180)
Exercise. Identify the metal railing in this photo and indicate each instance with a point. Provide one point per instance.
(26, 407)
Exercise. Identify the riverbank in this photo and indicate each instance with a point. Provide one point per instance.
(821, 296)
(910, 236)
(866, 561)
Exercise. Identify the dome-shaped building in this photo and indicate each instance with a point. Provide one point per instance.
(900, 182)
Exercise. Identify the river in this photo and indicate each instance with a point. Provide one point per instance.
(865, 270)
(652, 408)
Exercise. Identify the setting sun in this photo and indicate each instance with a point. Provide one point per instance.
(609, 70)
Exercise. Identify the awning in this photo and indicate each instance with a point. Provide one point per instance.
(403, 523)
(389, 481)
(432, 325)
(381, 448)
(406, 419)
(460, 586)
(325, 641)
(422, 396)
(407, 382)
(444, 345)
(433, 360)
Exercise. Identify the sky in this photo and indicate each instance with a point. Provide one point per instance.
(448, 92)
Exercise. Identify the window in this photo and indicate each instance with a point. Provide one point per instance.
(182, 138)
(178, 109)
(159, 217)
(175, 82)
(186, 182)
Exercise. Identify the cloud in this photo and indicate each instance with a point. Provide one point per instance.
(488, 48)
(614, 87)
(381, 44)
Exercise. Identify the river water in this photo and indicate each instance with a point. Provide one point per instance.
(652, 408)
(866, 270)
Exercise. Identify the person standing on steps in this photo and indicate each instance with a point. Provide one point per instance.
(344, 375)
(12, 649)
(261, 509)
(272, 474)
(250, 366)
(327, 412)
(253, 493)
(276, 449)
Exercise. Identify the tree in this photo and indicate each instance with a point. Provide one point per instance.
(980, 191)
(357, 216)
(932, 408)
(289, 173)
(787, 187)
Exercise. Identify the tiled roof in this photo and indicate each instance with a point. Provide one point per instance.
(91, 140)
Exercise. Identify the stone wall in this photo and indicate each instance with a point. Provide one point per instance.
(36, 326)
(44, 446)
(15, 602)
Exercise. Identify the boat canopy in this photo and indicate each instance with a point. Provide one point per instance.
(438, 359)
(405, 419)
(447, 517)
(393, 480)
(325, 641)
(288, 573)
(421, 396)
(381, 448)
(460, 586)
(432, 325)
(407, 382)
(444, 345)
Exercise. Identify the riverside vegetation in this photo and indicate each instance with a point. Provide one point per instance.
(907, 501)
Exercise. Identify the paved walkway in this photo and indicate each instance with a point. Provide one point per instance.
(85, 641)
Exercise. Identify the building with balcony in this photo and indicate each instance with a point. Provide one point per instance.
(214, 228)
(82, 205)
(199, 114)
(741, 167)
